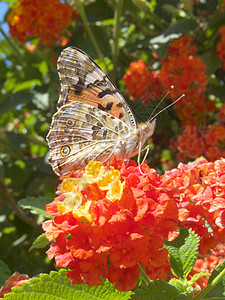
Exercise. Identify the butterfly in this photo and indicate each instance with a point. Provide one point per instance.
(93, 120)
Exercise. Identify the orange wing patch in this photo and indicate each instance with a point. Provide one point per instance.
(96, 97)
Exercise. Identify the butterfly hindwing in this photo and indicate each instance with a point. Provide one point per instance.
(80, 133)
(82, 80)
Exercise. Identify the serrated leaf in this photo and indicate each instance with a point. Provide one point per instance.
(178, 284)
(37, 205)
(218, 291)
(57, 286)
(184, 287)
(40, 242)
(183, 252)
(158, 289)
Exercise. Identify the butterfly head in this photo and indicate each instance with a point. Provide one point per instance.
(147, 129)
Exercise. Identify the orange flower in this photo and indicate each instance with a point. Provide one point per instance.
(201, 187)
(182, 45)
(33, 18)
(141, 83)
(185, 72)
(113, 214)
(15, 280)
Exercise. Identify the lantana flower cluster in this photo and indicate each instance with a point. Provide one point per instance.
(200, 199)
(108, 219)
(207, 141)
(38, 18)
(184, 69)
(142, 83)
(15, 280)
(181, 67)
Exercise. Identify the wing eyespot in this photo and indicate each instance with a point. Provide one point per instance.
(66, 130)
(70, 123)
(65, 150)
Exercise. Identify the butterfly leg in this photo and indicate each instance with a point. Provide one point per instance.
(111, 154)
(139, 156)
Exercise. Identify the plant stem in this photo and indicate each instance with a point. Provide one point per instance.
(211, 285)
(11, 44)
(143, 275)
(20, 213)
(116, 30)
(82, 13)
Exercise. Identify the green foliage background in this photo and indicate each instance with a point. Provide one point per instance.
(30, 88)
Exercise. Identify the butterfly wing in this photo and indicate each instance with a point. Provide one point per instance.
(82, 80)
(81, 133)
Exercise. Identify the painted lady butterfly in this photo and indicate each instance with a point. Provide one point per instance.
(93, 121)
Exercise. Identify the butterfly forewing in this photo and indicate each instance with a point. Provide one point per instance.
(82, 80)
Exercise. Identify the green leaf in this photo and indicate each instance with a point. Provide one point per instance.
(217, 19)
(57, 286)
(186, 291)
(218, 291)
(212, 62)
(178, 284)
(5, 273)
(37, 205)
(40, 242)
(183, 252)
(160, 42)
(158, 289)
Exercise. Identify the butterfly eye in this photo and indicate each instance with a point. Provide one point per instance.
(70, 123)
(65, 150)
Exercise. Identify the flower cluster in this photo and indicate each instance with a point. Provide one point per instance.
(107, 220)
(220, 48)
(201, 199)
(141, 83)
(183, 68)
(207, 141)
(36, 18)
(15, 280)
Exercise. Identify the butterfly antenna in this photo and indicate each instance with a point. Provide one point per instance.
(161, 102)
(151, 118)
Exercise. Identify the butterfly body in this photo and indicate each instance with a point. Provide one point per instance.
(93, 121)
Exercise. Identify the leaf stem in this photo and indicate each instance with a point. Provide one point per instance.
(116, 30)
(211, 285)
